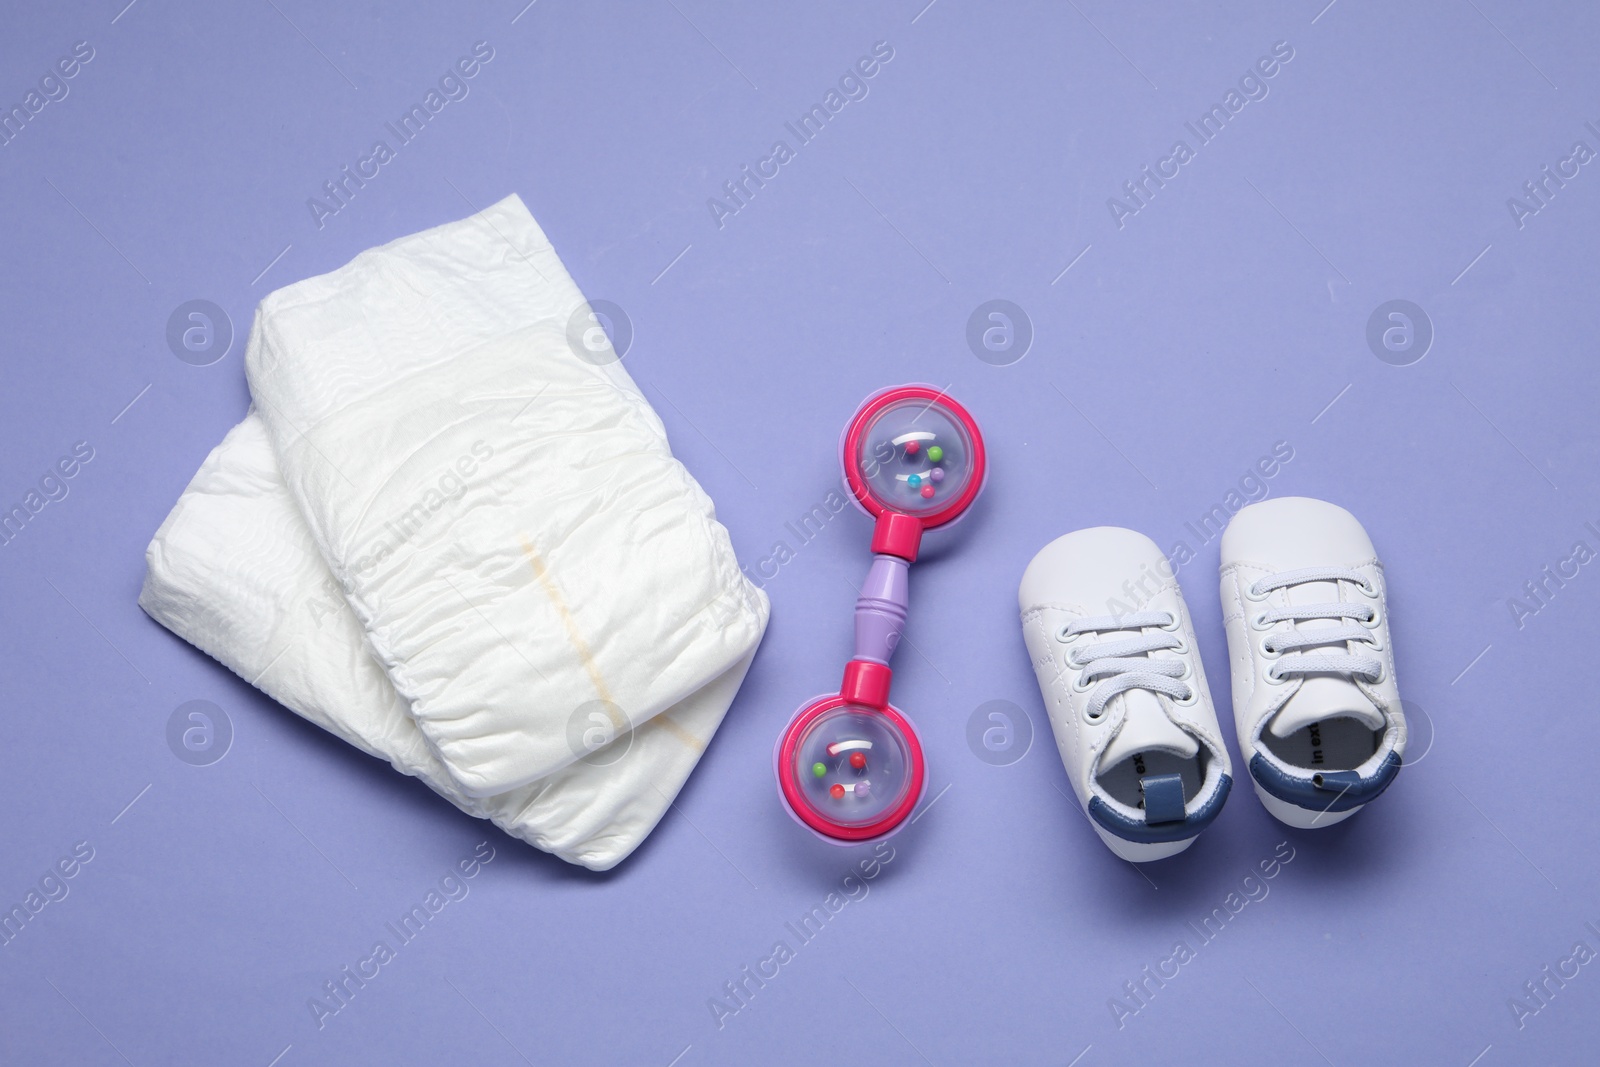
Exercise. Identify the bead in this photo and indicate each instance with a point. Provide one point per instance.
(914, 481)
(927, 491)
(863, 787)
(837, 791)
(819, 769)
(935, 454)
(858, 760)
(913, 447)
(937, 474)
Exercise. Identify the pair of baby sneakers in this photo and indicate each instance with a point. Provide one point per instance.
(1318, 716)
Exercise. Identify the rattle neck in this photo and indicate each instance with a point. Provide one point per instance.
(880, 619)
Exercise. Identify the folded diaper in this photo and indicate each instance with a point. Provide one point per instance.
(234, 571)
(503, 515)
(461, 543)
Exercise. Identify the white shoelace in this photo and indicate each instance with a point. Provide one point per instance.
(1367, 667)
(1125, 664)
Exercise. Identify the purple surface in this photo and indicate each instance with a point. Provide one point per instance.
(1170, 349)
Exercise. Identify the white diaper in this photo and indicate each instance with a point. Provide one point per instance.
(234, 571)
(505, 517)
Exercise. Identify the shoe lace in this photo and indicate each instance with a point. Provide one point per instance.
(1125, 663)
(1293, 641)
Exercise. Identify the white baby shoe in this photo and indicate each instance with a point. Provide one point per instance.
(1114, 652)
(1314, 696)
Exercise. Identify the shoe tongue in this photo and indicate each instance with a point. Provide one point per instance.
(1322, 696)
(1146, 728)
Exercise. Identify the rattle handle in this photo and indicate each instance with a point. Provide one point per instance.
(881, 609)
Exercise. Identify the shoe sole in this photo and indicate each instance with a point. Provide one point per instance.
(1142, 851)
(1298, 817)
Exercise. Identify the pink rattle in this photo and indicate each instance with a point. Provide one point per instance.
(849, 765)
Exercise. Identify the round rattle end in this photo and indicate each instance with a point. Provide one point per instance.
(915, 451)
(872, 770)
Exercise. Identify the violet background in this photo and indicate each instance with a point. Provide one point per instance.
(1226, 316)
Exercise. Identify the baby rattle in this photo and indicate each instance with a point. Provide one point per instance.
(849, 765)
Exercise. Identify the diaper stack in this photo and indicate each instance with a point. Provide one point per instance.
(459, 541)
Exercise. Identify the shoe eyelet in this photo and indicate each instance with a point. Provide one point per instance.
(1094, 720)
(1369, 589)
(1181, 648)
(1273, 677)
(1267, 653)
(1374, 622)
(1251, 595)
(1189, 701)
(1065, 636)
(1188, 671)
(1379, 677)
(1173, 624)
(1258, 621)
(1081, 686)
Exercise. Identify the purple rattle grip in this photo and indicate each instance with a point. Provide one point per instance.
(881, 609)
